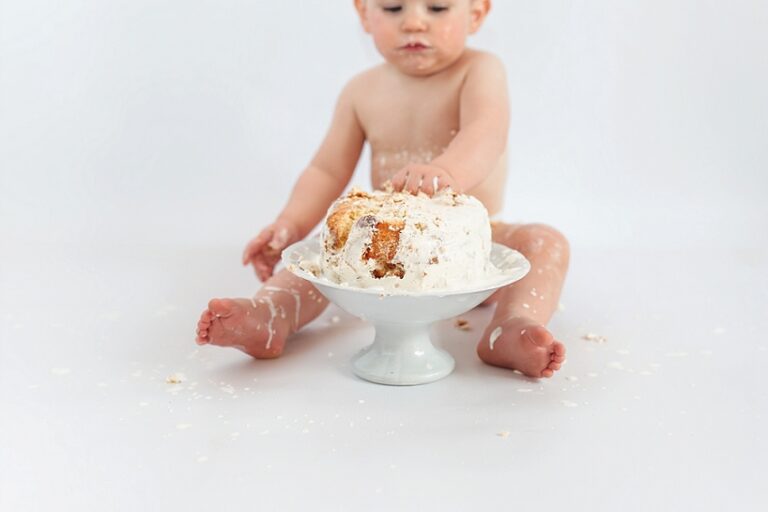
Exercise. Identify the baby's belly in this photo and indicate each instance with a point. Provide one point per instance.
(385, 164)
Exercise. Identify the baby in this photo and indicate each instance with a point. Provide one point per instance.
(435, 114)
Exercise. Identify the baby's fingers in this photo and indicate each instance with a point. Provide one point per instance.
(399, 180)
(430, 185)
(262, 268)
(255, 245)
(415, 182)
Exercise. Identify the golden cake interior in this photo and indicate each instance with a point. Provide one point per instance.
(360, 207)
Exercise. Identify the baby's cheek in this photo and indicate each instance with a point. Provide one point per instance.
(383, 33)
(452, 36)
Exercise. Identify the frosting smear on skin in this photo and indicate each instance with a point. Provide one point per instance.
(399, 242)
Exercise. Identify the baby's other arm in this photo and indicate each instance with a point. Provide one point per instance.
(483, 124)
(319, 185)
(481, 139)
(330, 170)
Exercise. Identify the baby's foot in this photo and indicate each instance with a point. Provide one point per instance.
(521, 344)
(253, 326)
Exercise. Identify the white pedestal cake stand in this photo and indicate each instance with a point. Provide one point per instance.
(402, 353)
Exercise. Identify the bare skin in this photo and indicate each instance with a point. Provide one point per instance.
(434, 109)
(260, 326)
(516, 337)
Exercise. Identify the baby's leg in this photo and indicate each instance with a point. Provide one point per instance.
(260, 326)
(516, 337)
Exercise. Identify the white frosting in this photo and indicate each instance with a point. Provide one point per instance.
(494, 336)
(445, 243)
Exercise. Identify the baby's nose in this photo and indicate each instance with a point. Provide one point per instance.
(414, 21)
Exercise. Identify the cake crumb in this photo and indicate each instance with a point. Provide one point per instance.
(462, 324)
(504, 434)
(594, 337)
(176, 378)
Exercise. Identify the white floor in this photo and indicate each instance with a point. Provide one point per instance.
(143, 142)
(664, 408)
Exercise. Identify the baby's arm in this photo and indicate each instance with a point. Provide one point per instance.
(318, 186)
(329, 172)
(484, 124)
(482, 137)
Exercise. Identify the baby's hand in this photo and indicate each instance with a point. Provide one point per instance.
(263, 252)
(425, 177)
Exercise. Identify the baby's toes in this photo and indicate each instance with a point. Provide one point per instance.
(202, 327)
(205, 318)
(202, 334)
(555, 360)
(558, 352)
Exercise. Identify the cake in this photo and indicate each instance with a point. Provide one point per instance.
(411, 243)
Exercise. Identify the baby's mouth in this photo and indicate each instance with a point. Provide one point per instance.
(414, 46)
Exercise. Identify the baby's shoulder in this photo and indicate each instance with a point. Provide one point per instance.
(368, 76)
(482, 61)
(365, 82)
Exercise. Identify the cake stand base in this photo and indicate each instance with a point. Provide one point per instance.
(402, 355)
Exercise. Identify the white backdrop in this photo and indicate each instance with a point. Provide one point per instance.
(633, 122)
(142, 142)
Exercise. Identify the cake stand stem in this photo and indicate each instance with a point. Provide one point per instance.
(402, 355)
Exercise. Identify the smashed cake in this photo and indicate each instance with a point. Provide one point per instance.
(410, 243)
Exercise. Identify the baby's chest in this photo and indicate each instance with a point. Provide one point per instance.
(414, 120)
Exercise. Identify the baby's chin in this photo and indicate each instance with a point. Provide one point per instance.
(420, 66)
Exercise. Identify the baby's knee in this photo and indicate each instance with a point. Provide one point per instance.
(537, 238)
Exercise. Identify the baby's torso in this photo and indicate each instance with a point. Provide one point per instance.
(409, 120)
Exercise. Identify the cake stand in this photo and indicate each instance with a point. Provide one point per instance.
(402, 352)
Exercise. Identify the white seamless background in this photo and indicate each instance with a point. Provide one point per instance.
(633, 123)
(142, 143)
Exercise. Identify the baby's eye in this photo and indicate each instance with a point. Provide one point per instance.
(438, 8)
(392, 8)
